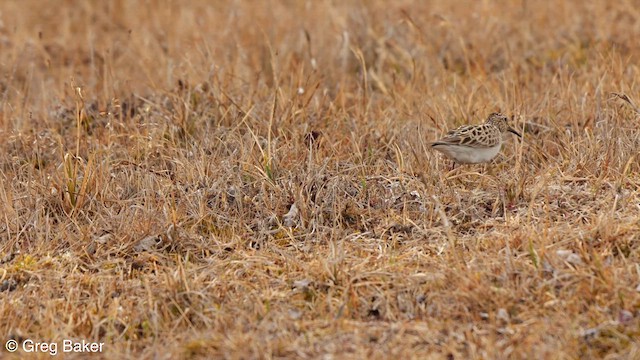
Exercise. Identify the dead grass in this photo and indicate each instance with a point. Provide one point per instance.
(252, 180)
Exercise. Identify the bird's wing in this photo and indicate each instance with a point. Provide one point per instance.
(476, 136)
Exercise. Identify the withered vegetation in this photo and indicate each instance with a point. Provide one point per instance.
(252, 179)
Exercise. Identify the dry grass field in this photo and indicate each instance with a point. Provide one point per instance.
(253, 179)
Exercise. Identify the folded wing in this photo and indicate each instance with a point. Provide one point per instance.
(472, 136)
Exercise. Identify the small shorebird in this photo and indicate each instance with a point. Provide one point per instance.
(473, 144)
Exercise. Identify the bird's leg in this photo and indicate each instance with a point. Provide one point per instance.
(452, 169)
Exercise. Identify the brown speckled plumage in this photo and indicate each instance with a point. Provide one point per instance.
(475, 143)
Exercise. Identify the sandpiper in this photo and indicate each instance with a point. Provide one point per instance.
(473, 144)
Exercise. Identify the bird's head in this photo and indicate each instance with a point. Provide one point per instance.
(501, 121)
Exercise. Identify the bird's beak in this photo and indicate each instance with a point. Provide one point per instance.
(511, 130)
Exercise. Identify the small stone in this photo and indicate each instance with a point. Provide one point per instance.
(8, 285)
(290, 219)
(104, 238)
(570, 257)
(502, 315)
(301, 285)
(625, 316)
(148, 243)
(589, 333)
(7, 258)
(295, 314)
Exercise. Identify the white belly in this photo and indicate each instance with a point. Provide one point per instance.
(468, 155)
